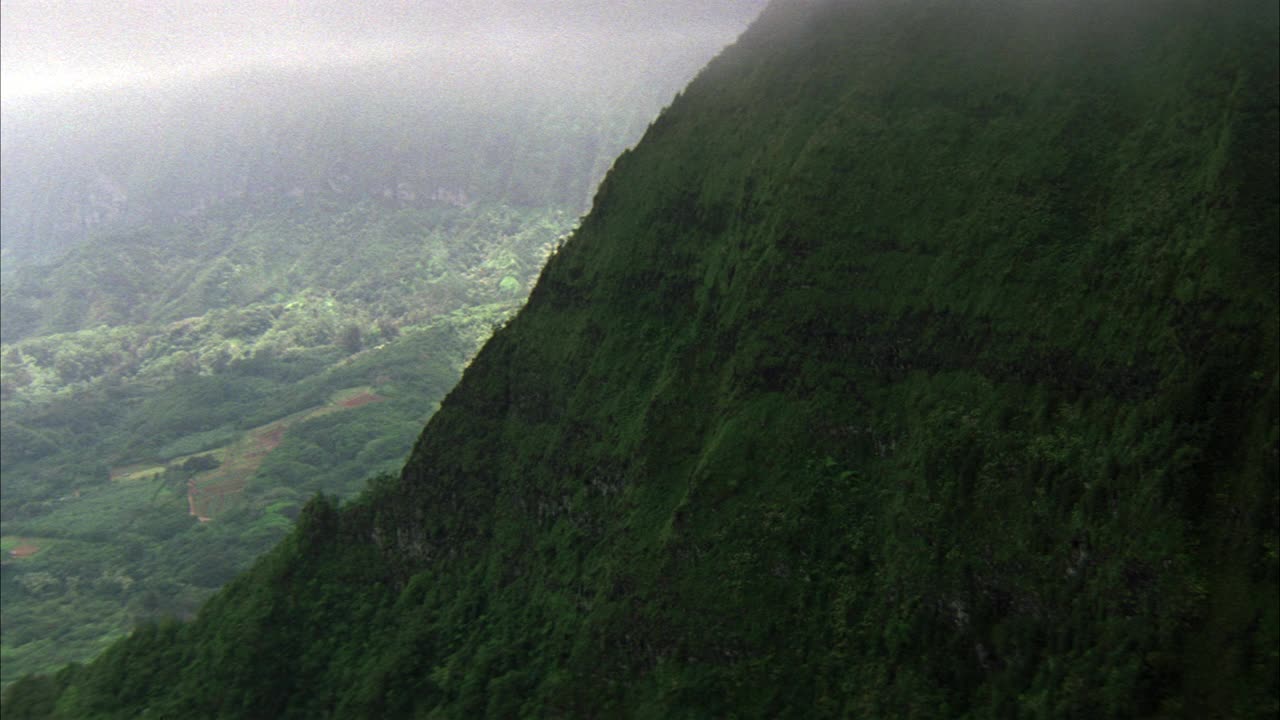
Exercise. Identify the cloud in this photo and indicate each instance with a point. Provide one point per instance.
(59, 46)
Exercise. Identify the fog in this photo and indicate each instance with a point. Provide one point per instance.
(135, 111)
(66, 46)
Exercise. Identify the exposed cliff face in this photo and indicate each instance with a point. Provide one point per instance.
(921, 361)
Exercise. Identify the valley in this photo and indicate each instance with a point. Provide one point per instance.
(165, 454)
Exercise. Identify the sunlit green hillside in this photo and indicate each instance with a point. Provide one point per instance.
(206, 384)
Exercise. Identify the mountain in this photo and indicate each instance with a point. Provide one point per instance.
(223, 297)
(921, 361)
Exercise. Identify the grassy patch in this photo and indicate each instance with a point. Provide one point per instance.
(143, 471)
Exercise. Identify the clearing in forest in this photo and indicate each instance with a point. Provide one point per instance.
(215, 491)
(18, 548)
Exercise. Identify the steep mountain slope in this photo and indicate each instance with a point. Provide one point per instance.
(920, 362)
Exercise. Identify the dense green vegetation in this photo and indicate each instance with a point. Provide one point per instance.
(151, 359)
(922, 361)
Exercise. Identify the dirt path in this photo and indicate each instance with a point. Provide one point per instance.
(361, 399)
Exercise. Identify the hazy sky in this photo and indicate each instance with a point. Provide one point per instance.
(59, 46)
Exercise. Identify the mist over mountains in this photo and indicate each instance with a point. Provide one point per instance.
(922, 360)
(444, 119)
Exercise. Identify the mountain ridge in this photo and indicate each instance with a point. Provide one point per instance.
(861, 391)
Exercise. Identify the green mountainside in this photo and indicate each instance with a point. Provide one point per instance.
(922, 361)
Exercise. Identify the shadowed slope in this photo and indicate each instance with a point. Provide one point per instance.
(920, 362)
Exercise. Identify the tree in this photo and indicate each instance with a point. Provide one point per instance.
(351, 339)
